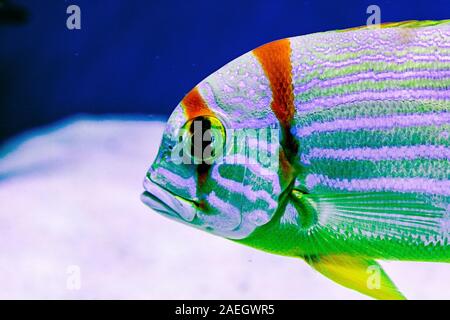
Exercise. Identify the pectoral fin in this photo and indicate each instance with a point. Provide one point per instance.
(363, 275)
(380, 225)
(346, 231)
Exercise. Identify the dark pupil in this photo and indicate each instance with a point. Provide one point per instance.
(200, 139)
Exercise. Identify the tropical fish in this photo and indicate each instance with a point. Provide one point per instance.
(356, 125)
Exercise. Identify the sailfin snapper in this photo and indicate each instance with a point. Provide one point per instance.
(332, 147)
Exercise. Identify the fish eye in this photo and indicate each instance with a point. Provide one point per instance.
(206, 138)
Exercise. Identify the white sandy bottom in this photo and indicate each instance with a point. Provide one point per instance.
(69, 202)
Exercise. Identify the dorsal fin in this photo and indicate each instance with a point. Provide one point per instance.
(402, 24)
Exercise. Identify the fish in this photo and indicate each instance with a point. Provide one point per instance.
(332, 147)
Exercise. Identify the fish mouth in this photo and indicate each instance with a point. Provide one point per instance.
(166, 202)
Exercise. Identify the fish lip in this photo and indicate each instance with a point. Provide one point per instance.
(159, 198)
(156, 204)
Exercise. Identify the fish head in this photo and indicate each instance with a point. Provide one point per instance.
(217, 165)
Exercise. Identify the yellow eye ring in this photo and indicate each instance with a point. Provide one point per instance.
(206, 138)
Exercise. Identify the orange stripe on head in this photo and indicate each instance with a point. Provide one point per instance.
(275, 58)
(194, 105)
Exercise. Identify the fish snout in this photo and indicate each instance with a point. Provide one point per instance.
(159, 198)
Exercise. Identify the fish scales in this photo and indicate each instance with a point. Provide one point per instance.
(373, 114)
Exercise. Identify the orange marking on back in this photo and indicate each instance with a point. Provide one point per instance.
(275, 58)
(194, 105)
